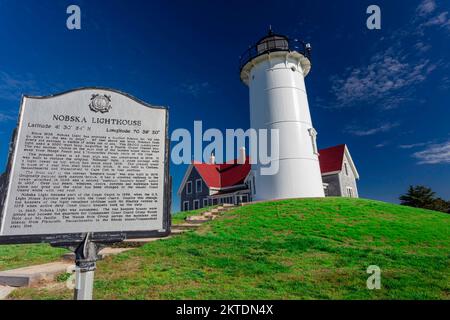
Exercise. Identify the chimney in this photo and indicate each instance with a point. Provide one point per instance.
(242, 156)
(212, 159)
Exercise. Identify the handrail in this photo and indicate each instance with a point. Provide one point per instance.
(273, 45)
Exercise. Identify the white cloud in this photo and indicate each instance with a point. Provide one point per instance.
(194, 88)
(381, 81)
(426, 16)
(413, 145)
(368, 132)
(426, 7)
(13, 86)
(6, 117)
(381, 145)
(391, 75)
(422, 47)
(434, 154)
(440, 20)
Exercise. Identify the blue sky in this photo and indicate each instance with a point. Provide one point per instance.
(385, 93)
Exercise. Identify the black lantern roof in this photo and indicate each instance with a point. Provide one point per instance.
(271, 43)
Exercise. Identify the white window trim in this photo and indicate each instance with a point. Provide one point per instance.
(184, 203)
(198, 204)
(201, 186)
(189, 190)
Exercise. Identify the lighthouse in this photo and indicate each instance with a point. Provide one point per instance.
(274, 69)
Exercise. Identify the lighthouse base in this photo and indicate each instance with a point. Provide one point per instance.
(296, 178)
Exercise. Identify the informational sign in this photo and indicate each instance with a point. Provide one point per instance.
(86, 161)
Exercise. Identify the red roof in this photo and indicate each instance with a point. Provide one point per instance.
(331, 158)
(227, 175)
(223, 175)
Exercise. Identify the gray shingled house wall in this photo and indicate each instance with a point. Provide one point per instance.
(194, 175)
(334, 186)
(348, 180)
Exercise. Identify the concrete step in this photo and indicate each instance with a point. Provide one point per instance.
(198, 219)
(187, 226)
(28, 276)
(228, 205)
(219, 211)
(5, 291)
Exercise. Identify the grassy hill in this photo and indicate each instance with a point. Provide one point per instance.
(292, 249)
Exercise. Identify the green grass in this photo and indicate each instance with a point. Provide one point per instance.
(293, 249)
(17, 256)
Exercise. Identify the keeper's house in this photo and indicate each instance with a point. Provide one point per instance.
(206, 184)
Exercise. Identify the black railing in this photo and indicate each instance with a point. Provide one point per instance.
(272, 45)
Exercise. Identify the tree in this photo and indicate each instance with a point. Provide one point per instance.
(418, 197)
(441, 205)
(423, 197)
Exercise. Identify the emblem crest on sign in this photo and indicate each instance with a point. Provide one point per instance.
(100, 103)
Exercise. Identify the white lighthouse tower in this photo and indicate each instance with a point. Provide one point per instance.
(274, 69)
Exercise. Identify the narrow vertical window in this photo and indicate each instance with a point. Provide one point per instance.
(350, 192)
(313, 134)
(198, 185)
(346, 169)
(189, 187)
(196, 204)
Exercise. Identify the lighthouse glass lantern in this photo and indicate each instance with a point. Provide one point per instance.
(274, 69)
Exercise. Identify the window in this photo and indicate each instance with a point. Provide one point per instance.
(325, 190)
(198, 185)
(186, 206)
(205, 202)
(346, 168)
(189, 187)
(244, 198)
(313, 134)
(350, 192)
(196, 204)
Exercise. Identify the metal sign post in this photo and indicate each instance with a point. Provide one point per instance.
(86, 256)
